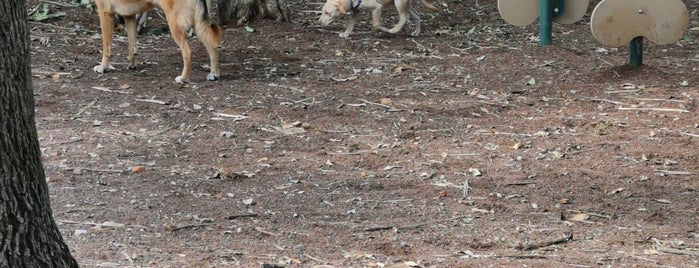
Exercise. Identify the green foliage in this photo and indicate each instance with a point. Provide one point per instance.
(45, 14)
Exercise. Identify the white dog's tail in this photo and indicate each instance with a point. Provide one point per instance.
(429, 6)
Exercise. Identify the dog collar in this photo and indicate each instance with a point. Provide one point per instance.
(357, 6)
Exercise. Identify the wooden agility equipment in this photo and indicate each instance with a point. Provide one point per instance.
(616, 23)
(525, 12)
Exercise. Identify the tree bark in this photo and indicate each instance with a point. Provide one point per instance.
(245, 11)
(28, 235)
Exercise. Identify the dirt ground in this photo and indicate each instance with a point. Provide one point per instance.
(469, 146)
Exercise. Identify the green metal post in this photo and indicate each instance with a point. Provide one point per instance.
(636, 49)
(545, 22)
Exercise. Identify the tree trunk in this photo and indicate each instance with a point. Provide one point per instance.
(248, 10)
(28, 235)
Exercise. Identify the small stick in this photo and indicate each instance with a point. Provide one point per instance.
(383, 228)
(95, 170)
(653, 109)
(189, 226)
(678, 251)
(610, 101)
(81, 111)
(690, 134)
(380, 105)
(109, 90)
(250, 215)
(534, 246)
(153, 101)
(265, 232)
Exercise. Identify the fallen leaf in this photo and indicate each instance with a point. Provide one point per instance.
(531, 82)
(580, 217)
(650, 252)
(387, 101)
(138, 169)
(475, 172)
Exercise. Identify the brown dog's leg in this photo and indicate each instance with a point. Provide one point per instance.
(107, 26)
(180, 36)
(210, 35)
(131, 33)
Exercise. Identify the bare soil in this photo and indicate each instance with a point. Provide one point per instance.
(470, 145)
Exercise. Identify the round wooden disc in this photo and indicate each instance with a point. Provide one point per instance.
(573, 11)
(519, 12)
(616, 22)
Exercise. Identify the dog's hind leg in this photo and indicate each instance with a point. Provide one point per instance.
(403, 10)
(132, 34)
(210, 35)
(107, 26)
(416, 18)
(179, 34)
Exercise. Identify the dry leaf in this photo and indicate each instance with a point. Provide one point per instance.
(580, 217)
(387, 101)
(138, 169)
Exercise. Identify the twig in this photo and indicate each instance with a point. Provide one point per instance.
(390, 108)
(153, 101)
(650, 99)
(690, 134)
(66, 142)
(265, 232)
(109, 90)
(383, 228)
(239, 216)
(520, 183)
(236, 117)
(81, 111)
(610, 101)
(591, 214)
(678, 251)
(652, 109)
(534, 246)
(188, 227)
(673, 172)
(95, 170)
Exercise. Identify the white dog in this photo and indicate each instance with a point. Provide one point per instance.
(338, 8)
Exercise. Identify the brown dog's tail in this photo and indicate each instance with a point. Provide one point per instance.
(209, 32)
(429, 6)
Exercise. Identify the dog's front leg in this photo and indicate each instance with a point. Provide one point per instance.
(131, 33)
(107, 26)
(354, 18)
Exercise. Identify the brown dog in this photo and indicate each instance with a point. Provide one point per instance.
(181, 16)
(337, 8)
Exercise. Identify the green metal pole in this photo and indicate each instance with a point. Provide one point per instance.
(636, 49)
(545, 22)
